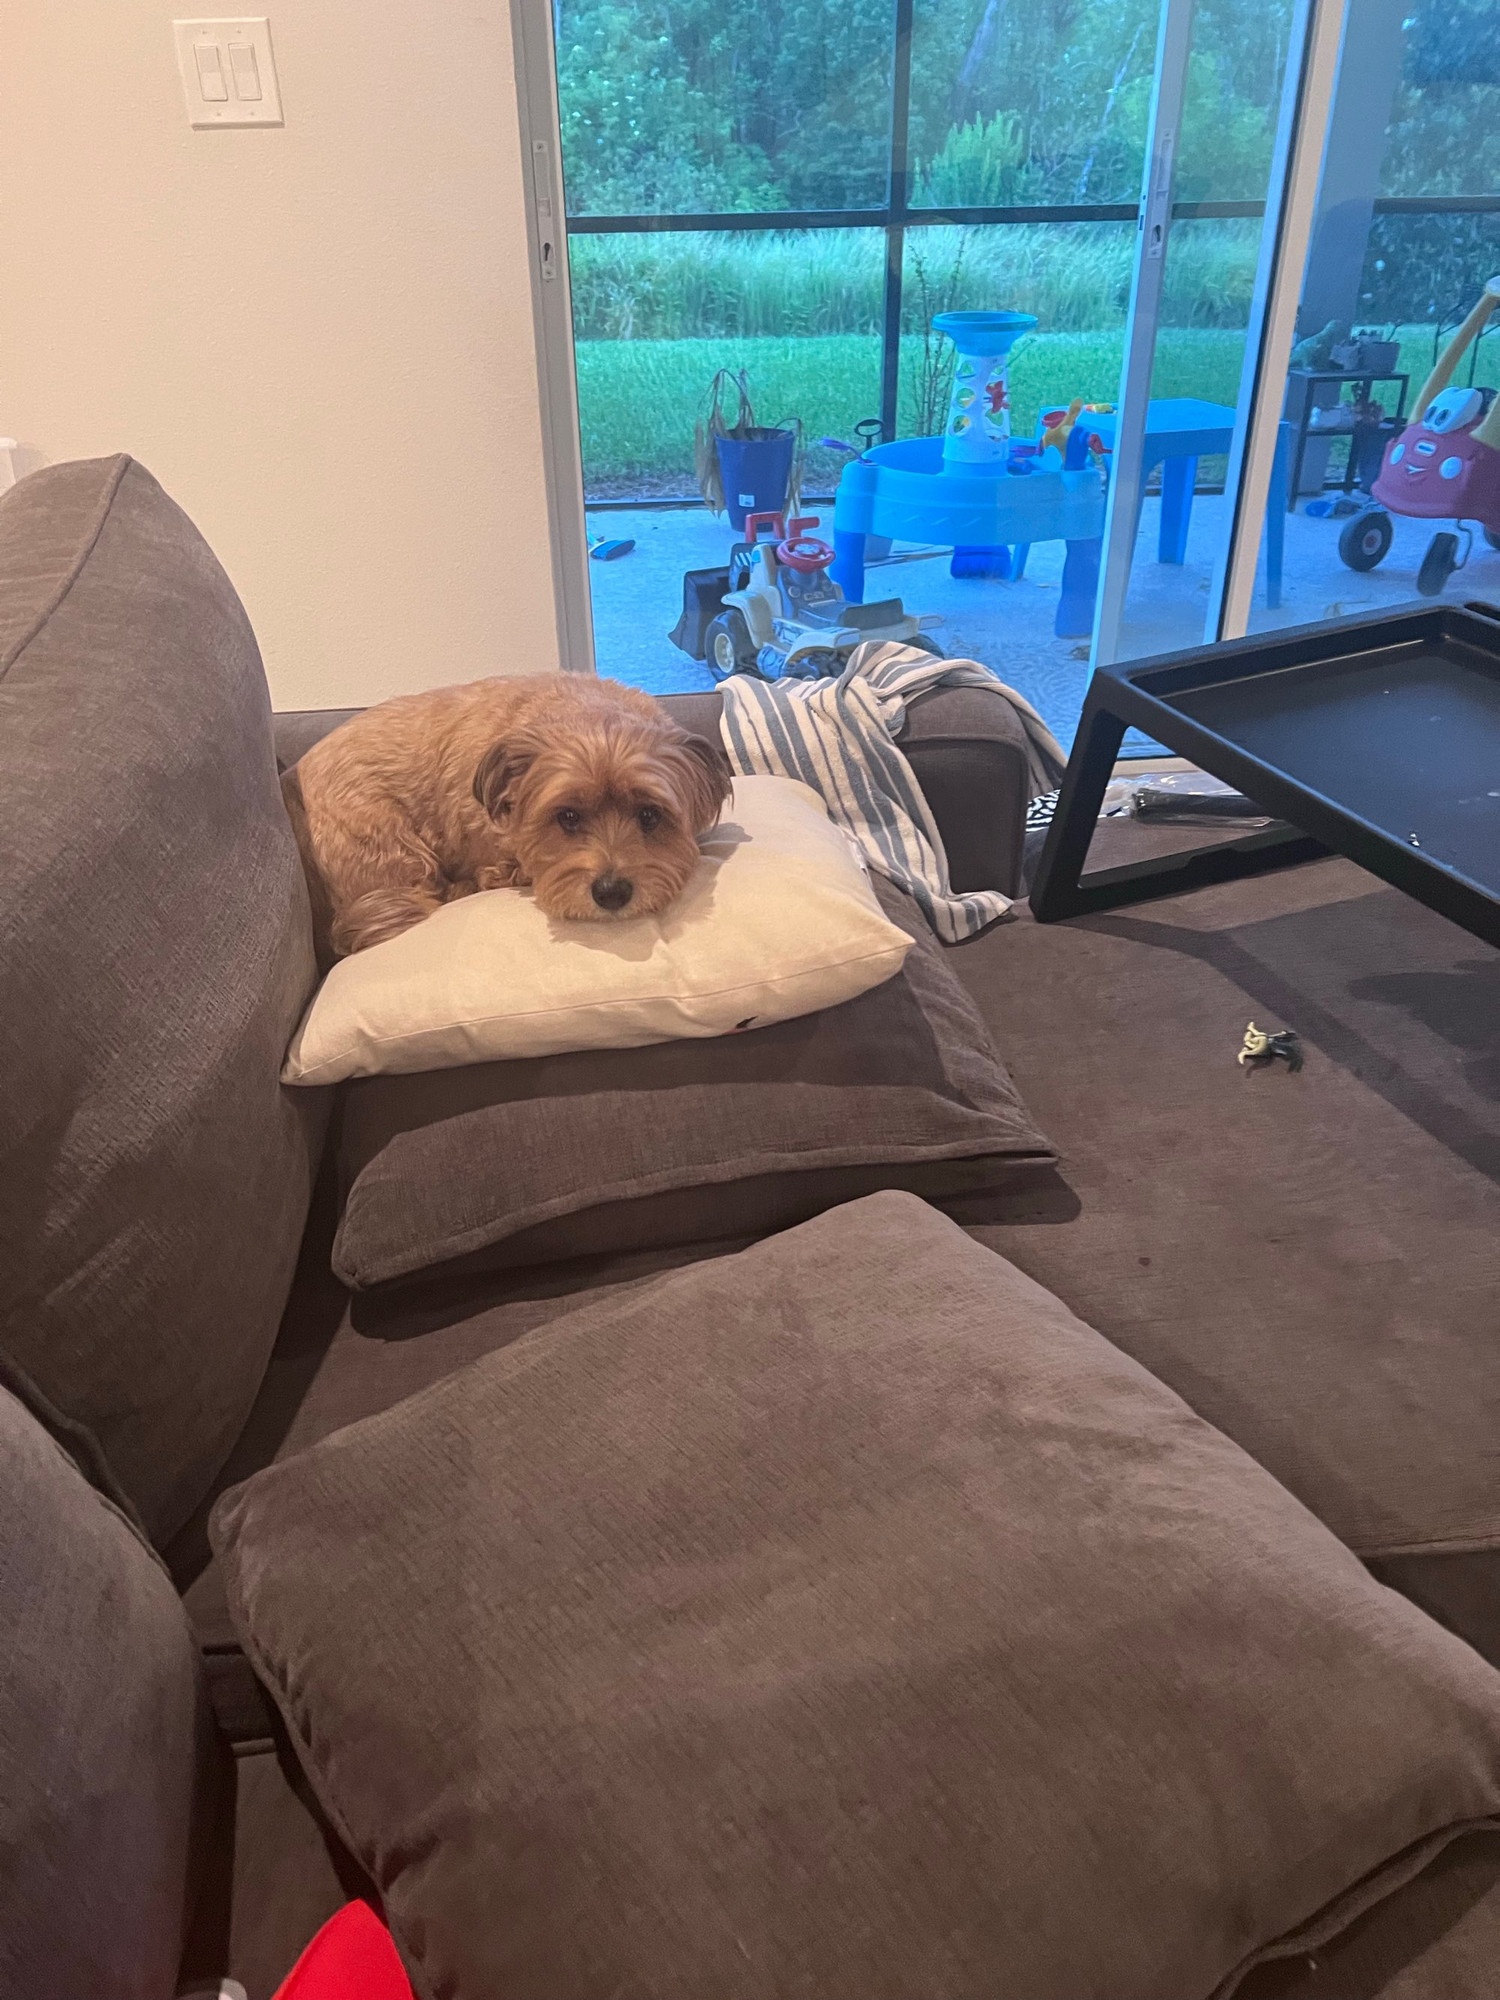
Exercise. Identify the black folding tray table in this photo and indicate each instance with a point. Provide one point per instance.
(1376, 737)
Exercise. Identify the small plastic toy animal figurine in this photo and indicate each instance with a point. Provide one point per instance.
(1261, 1049)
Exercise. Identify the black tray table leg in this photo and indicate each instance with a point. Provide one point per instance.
(1054, 893)
(1061, 890)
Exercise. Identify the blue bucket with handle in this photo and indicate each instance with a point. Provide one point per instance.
(756, 471)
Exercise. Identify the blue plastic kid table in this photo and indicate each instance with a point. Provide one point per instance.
(904, 492)
(1179, 431)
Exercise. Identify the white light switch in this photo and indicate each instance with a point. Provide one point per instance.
(211, 85)
(246, 74)
(228, 72)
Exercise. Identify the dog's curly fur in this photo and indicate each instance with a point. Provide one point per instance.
(584, 790)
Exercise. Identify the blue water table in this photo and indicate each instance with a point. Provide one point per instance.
(972, 487)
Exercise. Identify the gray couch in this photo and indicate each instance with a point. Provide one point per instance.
(1311, 1263)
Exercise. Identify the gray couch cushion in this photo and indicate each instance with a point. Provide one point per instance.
(843, 1618)
(155, 955)
(687, 1141)
(105, 1765)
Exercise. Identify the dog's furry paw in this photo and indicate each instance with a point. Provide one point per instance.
(504, 875)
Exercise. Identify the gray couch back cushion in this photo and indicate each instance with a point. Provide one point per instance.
(155, 955)
(103, 1739)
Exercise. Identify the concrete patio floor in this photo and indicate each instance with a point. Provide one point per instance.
(1008, 626)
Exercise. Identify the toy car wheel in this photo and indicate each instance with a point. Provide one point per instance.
(727, 645)
(1438, 564)
(1365, 540)
(925, 645)
(1492, 536)
(816, 664)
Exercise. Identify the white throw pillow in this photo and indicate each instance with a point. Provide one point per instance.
(779, 919)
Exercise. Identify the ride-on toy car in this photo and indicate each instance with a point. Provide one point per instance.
(1444, 466)
(785, 616)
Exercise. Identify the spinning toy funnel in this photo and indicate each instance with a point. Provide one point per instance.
(978, 426)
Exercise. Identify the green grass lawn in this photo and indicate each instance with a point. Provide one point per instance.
(639, 399)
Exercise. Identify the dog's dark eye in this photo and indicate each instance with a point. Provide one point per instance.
(570, 819)
(649, 818)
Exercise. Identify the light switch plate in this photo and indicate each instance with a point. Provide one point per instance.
(228, 72)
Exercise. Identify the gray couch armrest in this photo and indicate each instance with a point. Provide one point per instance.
(968, 750)
(296, 730)
(964, 744)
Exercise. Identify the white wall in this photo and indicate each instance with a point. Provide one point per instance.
(319, 338)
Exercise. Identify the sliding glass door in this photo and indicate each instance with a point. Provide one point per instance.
(783, 200)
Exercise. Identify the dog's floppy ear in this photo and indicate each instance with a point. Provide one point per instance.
(499, 768)
(709, 772)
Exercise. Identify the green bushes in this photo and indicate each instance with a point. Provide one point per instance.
(978, 166)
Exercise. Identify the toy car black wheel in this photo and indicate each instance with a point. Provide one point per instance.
(1492, 536)
(815, 665)
(727, 645)
(1364, 540)
(1438, 564)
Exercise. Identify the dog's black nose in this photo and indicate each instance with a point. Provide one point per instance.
(612, 892)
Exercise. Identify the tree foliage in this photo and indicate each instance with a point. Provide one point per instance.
(754, 105)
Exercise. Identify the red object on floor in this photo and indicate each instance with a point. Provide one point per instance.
(351, 1958)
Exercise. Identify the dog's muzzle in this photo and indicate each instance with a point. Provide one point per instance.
(612, 892)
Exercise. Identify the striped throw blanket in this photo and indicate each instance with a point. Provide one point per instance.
(836, 736)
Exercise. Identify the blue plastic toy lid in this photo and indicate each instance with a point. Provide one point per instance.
(983, 332)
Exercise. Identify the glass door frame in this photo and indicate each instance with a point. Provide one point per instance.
(552, 326)
(1289, 212)
(1154, 218)
(1301, 145)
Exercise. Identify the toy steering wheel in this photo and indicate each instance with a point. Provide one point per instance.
(804, 553)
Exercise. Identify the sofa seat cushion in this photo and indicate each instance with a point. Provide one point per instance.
(155, 956)
(844, 1617)
(1312, 1261)
(599, 1151)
